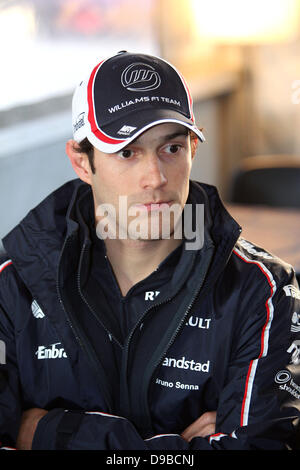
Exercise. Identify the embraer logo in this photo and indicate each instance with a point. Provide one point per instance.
(50, 352)
(140, 77)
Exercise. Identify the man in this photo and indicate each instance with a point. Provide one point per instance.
(123, 332)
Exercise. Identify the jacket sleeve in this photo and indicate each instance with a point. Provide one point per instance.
(81, 430)
(258, 405)
(10, 399)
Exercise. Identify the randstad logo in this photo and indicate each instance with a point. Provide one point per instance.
(140, 77)
(186, 364)
(50, 352)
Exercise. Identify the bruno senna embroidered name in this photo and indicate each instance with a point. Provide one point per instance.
(186, 364)
(180, 385)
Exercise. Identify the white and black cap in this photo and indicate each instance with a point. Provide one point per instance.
(127, 94)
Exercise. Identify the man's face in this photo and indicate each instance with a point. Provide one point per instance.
(151, 171)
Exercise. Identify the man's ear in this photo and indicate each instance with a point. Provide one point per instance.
(79, 161)
(194, 145)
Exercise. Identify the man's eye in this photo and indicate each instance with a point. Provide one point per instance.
(173, 148)
(126, 153)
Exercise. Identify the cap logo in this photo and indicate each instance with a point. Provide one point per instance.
(126, 130)
(79, 122)
(140, 77)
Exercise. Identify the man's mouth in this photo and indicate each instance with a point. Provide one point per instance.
(152, 205)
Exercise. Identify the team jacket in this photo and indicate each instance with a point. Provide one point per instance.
(224, 335)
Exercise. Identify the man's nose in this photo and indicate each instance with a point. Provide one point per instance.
(153, 172)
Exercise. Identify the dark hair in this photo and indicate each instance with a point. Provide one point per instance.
(85, 146)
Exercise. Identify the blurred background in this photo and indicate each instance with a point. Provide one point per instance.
(239, 57)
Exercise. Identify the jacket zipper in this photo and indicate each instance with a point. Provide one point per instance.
(145, 387)
(83, 344)
(145, 406)
(124, 384)
(145, 413)
(111, 336)
(74, 330)
(144, 395)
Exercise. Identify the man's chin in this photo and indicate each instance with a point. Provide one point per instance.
(152, 237)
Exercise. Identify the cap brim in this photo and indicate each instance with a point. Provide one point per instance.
(146, 119)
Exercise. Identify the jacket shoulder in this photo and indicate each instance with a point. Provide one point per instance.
(14, 295)
(6, 267)
(10, 281)
(272, 267)
(5, 262)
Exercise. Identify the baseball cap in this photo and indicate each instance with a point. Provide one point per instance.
(126, 94)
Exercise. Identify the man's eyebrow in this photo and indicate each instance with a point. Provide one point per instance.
(182, 132)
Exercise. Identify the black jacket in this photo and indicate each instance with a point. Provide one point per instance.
(221, 333)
